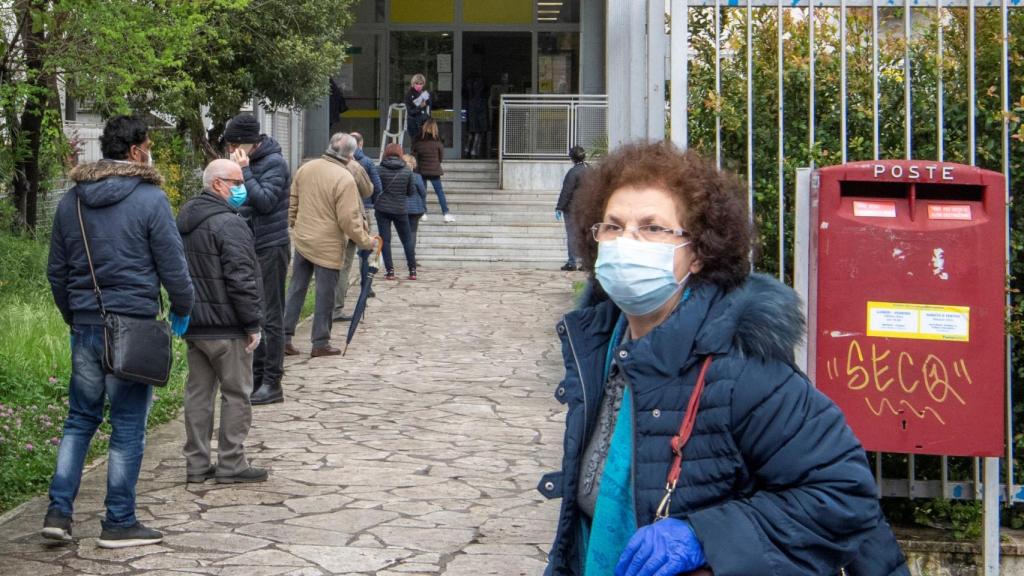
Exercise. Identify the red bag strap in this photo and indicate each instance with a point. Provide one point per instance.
(679, 441)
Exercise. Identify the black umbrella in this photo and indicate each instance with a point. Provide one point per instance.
(366, 272)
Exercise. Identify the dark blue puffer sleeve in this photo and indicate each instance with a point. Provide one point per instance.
(169, 256)
(269, 189)
(57, 272)
(815, 501)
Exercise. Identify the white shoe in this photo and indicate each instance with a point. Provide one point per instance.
(449, 218)
(423, 218)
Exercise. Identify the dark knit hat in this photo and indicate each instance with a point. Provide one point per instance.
(242, 129)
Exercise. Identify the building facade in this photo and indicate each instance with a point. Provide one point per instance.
(471, 52)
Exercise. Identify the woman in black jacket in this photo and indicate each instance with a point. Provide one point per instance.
(417, 108)
(391, 207)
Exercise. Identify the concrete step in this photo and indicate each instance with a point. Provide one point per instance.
(427, 263)
(483, 195)
(458, 205)
(494, 243)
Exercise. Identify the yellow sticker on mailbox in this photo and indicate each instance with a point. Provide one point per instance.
(919, 321)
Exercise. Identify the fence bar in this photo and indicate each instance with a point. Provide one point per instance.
(842, 79)
(939, 114)
(908, 111)
(940, 153)
(680, 47)
(781, 158)
(874, 79)
(750, 114)
(1005, 80)
(718, 84)
(991, 505)
(810, 101)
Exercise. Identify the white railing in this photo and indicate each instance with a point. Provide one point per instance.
(545, 126)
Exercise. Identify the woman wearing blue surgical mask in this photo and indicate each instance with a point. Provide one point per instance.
(693, 445)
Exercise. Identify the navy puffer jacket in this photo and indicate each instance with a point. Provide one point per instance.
(773, 480)
(268, 182)
(396, 186)
(134, 243)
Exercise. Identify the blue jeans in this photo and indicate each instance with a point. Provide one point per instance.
(435, 181)
(129, 408)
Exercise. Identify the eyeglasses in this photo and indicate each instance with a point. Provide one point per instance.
(604, 231)
(232, 181)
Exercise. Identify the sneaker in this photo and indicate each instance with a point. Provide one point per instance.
(250, 474)
(568, 267)
(390, 275)
(448, 218)
(412, 275)
(134, 535)
(56, 526)
(423, 218)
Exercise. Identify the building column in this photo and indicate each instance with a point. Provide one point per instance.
(592, 34)
(636, 59)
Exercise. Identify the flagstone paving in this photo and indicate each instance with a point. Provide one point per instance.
(416, 454)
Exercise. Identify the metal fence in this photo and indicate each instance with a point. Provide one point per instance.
(915, 105)
(544, 127)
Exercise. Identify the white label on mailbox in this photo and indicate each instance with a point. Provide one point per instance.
(919, 321)
(949, 211)
(874, 209)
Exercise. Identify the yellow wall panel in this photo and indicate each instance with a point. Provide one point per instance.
(422, 11)
(497, 11)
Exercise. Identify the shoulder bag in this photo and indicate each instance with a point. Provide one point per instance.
(136, 349)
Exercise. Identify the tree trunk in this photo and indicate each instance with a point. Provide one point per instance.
(28, 133)
(193, 126)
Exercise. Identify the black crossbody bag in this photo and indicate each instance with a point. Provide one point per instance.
(137, 349)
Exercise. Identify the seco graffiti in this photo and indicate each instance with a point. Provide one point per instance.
(925, 385)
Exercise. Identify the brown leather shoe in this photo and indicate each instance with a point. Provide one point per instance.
(290, 350)
(325, 351)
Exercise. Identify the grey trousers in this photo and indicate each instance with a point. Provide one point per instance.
(212, 362)
(342, 288)
(326, 281)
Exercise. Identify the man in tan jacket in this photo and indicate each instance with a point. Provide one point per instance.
(325, 211)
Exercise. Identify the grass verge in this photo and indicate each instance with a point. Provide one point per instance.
(35, 367)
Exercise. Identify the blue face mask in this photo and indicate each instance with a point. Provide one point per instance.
(238, 195)
(638, 276)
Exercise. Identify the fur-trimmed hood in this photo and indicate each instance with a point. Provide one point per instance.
(763, 317)
(109, 181)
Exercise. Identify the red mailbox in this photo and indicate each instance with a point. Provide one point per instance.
(907, 297)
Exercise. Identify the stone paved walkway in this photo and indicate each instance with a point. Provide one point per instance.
(419, 453)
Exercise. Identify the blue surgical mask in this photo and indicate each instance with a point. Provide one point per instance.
(638, 276)
(238, 195)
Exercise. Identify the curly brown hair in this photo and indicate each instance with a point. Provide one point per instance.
(711, 203)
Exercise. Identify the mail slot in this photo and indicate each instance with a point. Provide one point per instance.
(906, 304)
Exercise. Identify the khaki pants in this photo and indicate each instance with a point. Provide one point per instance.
(212, 363)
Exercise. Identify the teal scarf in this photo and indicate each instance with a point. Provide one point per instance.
(614, 521)
(614, 518)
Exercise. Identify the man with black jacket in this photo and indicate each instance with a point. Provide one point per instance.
(225, 326)
(563, 208)
(135, 249)
(268, 180)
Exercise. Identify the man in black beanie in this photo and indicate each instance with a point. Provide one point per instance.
(267, 181)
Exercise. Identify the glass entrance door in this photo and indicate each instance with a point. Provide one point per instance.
(355, 100)
(433, 55)
(493, 63)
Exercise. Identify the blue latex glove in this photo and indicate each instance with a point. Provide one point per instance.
(665, 548)
(179, 324)
(558, 215)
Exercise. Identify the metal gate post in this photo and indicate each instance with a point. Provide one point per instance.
(991, 507)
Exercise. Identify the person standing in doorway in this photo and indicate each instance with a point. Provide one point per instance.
(429, 152)
(392, 208)
(225, 326)
(417, 202)
(417, 106)
(267, 179)
(324, 212)
(563, 210)
(134, 249)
